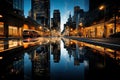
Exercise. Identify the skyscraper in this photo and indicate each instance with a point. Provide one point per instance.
(18, 7)
(41, 11)
(56, 17)
(76, 15)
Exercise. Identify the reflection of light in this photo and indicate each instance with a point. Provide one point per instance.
(1, 47)
(13, 43)
(110, 50)
(80, 48)
(40, 43)
(28, 39)
(1, 57)
(86, 63)
(71, 42)
(1, 16)
(34, 41)
(25, 45)
(111, 53)
(102, 7)
(20, 43)
(12, 70)
(99, 48)
(81, 24)
(71, 29)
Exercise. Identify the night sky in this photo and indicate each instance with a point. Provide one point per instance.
(65, 6)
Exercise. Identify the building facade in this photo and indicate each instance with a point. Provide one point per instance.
(56, 23)
(40, 12)
(11, 23)
(102, 23)
(56, 17)
(18, 6)
(11, 18)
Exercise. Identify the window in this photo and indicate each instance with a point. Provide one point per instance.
(1, 28)
(13, 31)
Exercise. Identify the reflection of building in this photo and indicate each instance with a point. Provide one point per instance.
(56, 52)
(55, 23)
(41, 62)
(41, 11)
(75, 51)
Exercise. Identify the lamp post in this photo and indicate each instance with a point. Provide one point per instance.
(115, 23)
(40, 28)
(116, 11)
(103, 7)
(80, 27)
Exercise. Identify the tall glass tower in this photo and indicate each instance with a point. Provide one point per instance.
(56, 17)
(18, 6)
(41, 12)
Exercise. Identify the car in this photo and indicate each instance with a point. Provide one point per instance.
(115, 35)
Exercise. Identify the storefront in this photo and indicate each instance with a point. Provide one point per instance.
(11, 25)
(1, 29)
(97, 30)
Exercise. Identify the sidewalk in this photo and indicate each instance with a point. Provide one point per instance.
(113, 43)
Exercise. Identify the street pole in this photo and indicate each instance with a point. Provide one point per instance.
(104, 33)
(114, 22)
(103, 7)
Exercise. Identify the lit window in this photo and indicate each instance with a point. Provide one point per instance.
(1, 28)
(13, 31)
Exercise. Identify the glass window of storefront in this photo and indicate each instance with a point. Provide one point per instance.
(13, 31)
(100, 30)
(20, 32)
(1, 45)
(1, 28)
(118, 28)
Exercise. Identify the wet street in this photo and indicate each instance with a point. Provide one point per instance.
(58, 59)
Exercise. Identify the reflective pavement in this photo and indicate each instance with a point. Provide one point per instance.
(60, 59)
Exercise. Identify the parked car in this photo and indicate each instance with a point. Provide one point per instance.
(115, 35)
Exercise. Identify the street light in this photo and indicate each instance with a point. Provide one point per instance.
(81, 28)
(103, 7)
(1, 16)
(40, 27)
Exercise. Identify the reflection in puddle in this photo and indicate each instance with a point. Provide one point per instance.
(8, 44)
(37, 41)
(68, 63)
(102, 50)
(1, 57)
(27, 67)
(56, 59)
